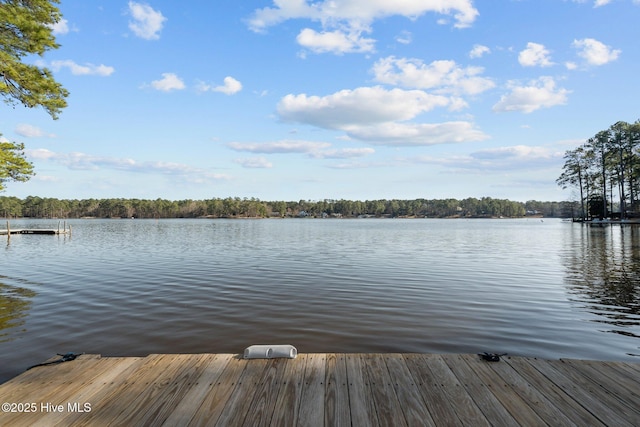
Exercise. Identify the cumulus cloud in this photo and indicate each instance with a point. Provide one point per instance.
(168, 82)
(29, 131)
(353, 17)
(478, 51)
(254, 163)
(84, 161)
(540, 93)
(82, 70)
(364, 105)
(60, 27)
(337, 42)
(443, 76)
(360, 11)
(231, 86)
(378, 115)
(534, 55)
(146, 22)
(595, 52)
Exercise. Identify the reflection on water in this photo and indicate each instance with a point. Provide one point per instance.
(603, 274)
(134, 287)
(15, 303)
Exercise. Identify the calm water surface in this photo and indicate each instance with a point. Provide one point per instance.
(133, 287)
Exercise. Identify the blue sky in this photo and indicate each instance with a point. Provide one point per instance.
(354, 99)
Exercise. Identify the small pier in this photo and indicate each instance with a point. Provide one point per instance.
(10, 231)
(324, 390)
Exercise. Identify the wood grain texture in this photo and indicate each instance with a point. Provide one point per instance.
(327, 390)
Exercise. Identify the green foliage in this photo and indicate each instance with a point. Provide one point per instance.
(13, 165)
(25, 29)
(606, 164)
(235, 207)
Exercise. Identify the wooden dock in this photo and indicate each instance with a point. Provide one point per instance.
(324, 390)
(9, 231)
(34, 231)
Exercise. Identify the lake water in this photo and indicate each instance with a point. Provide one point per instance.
(526, 287)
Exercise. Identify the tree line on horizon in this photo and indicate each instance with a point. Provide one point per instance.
(605, 172)
(235, 207)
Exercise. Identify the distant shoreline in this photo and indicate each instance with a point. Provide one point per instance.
(486, 207)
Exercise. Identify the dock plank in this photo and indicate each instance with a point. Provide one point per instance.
(534, 398)
(239, 401)
(466, 409)
(327, 389)
(336, 398)
(509, 398)
(363, 412)
(288, 402)
(579, 376)
(441, 408)
(413, 407)
(611, 381)
(147, 395)
(312, 398)
(383, 392)
(216, 399)
(576, 412)
(190, 402)
(592, 402)
(266, 395)
(479, 392)
(87, 393)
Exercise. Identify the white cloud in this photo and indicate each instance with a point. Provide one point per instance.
(478, 51)
(280, 147)
(417, 134)
(595, 52)
(337, 42)
(147, 22)
(405, 37)
(231, 86)
(60, 27)
(534, 55)
(599, 3)
(83, 70)
(570, 65)
(316, 150)
(353, 17)
(360, 11)
(444, 76)
(84, 161)
(255, 163)
(343, 153)
(373, 114)
(364, 105)
(29, 131)
(540, 93)
(500, 159)
(168, 82)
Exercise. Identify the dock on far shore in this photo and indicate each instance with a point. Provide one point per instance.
(9, 231)
(324, 390)
(34, 231)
